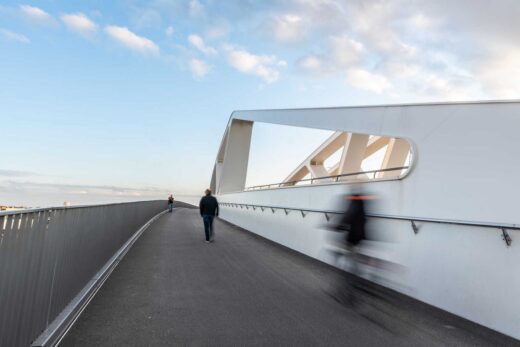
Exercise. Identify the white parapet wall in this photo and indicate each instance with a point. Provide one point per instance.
(464, 167)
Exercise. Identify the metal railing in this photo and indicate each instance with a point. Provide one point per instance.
(503, 227)
(334, 178)
(49, 256)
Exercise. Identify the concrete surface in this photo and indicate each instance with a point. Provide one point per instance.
(243, 290)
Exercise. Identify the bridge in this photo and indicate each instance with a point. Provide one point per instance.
(134, 274)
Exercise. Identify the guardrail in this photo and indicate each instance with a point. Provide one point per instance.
(502, 226)
(53, 260)
(335, 178)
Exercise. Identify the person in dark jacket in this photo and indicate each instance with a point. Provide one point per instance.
(170, 203)
(208, 210)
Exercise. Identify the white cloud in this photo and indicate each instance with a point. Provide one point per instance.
(132, 41)
(264, 66)
(342, 52)
(79, 23)
(12, 36)
(198, 43)
(345, 51)
(195, 8)
(218, 31)
(366, 80)
(169, 31)
(37, 15)
(312, 64)
(499, 73)
(199, 68)
(146, 18)
(288, 28)
(419, 22)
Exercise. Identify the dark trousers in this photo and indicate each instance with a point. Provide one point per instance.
(208, 226)
(170, 206)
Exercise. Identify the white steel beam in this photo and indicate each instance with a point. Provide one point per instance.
(395, 156)
(353, 153)
(329, 147)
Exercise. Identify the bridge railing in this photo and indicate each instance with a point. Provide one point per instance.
(53, 260)
(503, 227)
(325, 179)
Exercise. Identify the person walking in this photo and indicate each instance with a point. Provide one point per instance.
(208, 210)
(170, 203)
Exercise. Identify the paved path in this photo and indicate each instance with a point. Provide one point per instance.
(242, 290)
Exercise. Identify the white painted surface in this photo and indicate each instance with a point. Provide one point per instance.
(465, 167)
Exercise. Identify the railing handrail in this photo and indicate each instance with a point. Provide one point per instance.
(405, 218)
(289, 183)
(54, 208)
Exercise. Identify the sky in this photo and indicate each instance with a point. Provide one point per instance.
(118, 100)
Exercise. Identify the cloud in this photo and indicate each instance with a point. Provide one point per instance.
(195, 8)
(312, 63)
(16, 173)
(169, 31)
(36, 15)
(218, 31)
(79, 23)
(367, 80)
(18, 187)
(198, 43)
(146, 18)
(499, 73)
(345, 51)
(342, 52)
(12, 36)
(132, 41)
(263, 66)
(288, 28)
(199, 68)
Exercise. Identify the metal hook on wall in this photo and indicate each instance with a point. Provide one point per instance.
(506, 237)
(414, 227)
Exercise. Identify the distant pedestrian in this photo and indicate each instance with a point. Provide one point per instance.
(170, 203)
(208, 210)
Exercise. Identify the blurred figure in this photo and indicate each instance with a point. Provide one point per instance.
(363, 253)
(208, 210)
(353, 220)
(170, 203)
(351, 225)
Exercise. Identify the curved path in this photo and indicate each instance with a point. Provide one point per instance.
(174, 289)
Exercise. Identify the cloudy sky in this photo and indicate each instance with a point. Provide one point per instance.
(126, 100)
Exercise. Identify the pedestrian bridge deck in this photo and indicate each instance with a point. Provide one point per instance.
(173, 289)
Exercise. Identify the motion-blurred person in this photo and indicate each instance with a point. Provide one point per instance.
(352, 225)
(208, 210)
(170, 203)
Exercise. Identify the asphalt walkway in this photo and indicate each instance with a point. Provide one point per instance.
(172, 289)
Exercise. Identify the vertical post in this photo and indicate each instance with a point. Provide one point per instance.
(236, 157)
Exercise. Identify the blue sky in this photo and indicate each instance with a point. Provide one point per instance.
(124, 100)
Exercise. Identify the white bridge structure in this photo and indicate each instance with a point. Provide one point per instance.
(447, 197)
